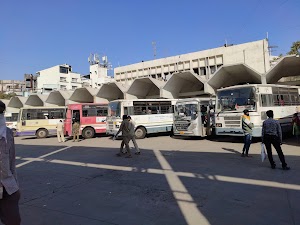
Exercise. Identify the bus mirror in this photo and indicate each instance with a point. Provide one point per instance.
(23, 123)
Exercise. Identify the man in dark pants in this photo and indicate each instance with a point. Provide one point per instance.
(247, 130)
(9, 188)
(272, 134)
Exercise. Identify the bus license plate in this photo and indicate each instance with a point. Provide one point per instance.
(181, 132)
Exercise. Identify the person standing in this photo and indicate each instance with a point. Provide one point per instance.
(9, 188)
(124, 128)
(272, 135)
(60, 131)
(75, 130)
(132, 135)
(247, 130)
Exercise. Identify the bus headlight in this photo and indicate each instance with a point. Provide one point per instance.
(117, 126)
(218, 124)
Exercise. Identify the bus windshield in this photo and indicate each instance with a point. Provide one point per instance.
(186, 111)
(237, 99)
(114, 109)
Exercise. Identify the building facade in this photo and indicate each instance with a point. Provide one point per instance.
(203, 63)
(60, 77)
(12, 86)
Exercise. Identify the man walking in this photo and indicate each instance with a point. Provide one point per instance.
(272, 134)
(124, 128)
(75, 129)
(9, 188)
(60, 131)
(132, 135)
(247, 129)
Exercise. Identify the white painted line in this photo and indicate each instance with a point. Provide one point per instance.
(41, 157)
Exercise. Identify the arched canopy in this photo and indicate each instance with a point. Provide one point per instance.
(183, 85)
(287, 66)
(111, 91)
(17, 102)
(231, 75)
(144, 88)
(59, 98)
(84, 95)
(36, 100)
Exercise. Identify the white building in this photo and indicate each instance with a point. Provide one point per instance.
(58, 77)
(203, 63)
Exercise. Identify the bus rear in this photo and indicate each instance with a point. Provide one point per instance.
(91, 116)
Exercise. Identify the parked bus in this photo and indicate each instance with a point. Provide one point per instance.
(257, 98)
(194, 117)
(149, 115)
(39, 121)
(92, 118)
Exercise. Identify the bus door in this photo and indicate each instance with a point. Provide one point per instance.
(205, 120)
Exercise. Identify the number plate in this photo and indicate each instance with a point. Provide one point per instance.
(181, 132)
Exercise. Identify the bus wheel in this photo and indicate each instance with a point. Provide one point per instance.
(88, 133)
(42, 133)
(140, 133)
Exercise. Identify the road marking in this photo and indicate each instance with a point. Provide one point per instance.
(41, 157)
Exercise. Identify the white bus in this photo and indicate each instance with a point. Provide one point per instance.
(39, 121)
(193, 117)
(149, 115)
(11, 121)
(257, 98)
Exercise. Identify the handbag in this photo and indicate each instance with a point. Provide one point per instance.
(263, 152)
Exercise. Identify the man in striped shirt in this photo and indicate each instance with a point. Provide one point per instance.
(9, 188)
(272, 135)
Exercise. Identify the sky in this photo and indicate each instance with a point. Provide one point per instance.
(35, 34)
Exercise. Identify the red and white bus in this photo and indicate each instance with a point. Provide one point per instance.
(92, 117)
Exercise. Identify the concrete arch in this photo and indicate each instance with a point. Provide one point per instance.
(231, 75)
(287, 66)
(144, 88)
(112, 91)
(183, 85)
(84, 95)
(17, 102)
(36, 100)
(60, 98)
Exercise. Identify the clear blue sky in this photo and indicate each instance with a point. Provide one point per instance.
(35, 35)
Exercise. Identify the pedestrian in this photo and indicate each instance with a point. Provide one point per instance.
(9, 188)
(124, 128)
(247, 130)
(60, 131)
(75, 130)
(296, 126)
(272, 135)
(131, 126)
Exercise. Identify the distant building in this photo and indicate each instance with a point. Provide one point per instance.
(59, 77)
(12, 86)
(203, 63)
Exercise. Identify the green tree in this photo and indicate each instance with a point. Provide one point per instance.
(6, 96)
(295, 48)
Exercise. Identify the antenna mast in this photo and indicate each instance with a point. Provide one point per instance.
(154, 49)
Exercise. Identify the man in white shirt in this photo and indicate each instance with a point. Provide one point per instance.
(9, 187)
(60, 131)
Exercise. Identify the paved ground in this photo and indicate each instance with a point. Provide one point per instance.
(174, 181)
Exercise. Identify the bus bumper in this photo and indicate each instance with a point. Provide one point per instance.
(256, 131)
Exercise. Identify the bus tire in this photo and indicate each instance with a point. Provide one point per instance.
(42, 133)
(140, 133)
(88, 133)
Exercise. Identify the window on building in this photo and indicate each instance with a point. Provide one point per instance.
(212, 69)
(63, 87)
(63, 69)
(62, 79)
(74, 79)
(202, 71)
(196, 70)
(74, 87)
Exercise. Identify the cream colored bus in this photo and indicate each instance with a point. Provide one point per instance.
(39, 121)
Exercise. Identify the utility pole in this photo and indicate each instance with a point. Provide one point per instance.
(154, 48)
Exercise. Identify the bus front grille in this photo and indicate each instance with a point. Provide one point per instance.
(232, 121)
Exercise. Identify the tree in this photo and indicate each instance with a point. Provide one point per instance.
(295, 48)
(6, 96)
